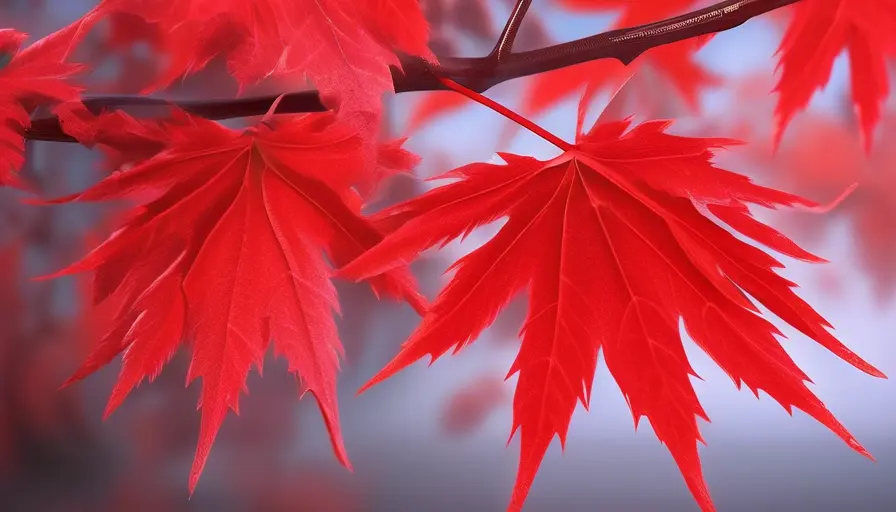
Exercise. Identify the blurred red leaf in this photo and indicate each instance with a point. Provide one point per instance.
(36, 75)
(818, 32)
(822, 159)
(668, 66)
(306, 490)
(614, 242)
(11, 308)
(434, 104)
(674, 63)
(48, 411)
(344, 46)
(471, 405)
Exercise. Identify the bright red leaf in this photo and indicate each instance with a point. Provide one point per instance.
(818, 32)
(229, 253)
(34, 76)
(345, 47)
(614, 241)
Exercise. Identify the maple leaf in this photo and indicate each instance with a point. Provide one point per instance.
(345, 47)
(229, 253)
(30, 77)
(817, 33)
(123, 139)
(614, 241)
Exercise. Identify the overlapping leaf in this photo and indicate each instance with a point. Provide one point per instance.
(227, 252)
(818, 32)
(345, 47)
(36, 75)
(615, 243)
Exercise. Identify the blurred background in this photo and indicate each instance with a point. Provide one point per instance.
(434, 438)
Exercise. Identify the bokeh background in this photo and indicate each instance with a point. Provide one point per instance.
(433, 439)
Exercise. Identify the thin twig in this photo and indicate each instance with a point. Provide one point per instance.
(504, 46)
(479, 73)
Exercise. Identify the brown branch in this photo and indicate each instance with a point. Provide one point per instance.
(504, 46)
(479, 73)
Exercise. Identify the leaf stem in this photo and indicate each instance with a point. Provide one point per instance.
(509, 114)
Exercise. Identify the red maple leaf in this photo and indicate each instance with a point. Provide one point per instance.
(818, 32)
(345, 47)
(229, 253)
(34, 76)
(614, 241)
(122, 138)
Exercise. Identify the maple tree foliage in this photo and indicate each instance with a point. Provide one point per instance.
(674, 63)
(36, 75)
(344, 47)
(235, 235)
(217, 255)
(817, 33)
(827, 159)
(821, 157)
(613, 240)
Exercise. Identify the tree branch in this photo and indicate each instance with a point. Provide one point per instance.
(504, 46)
(479, 73)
